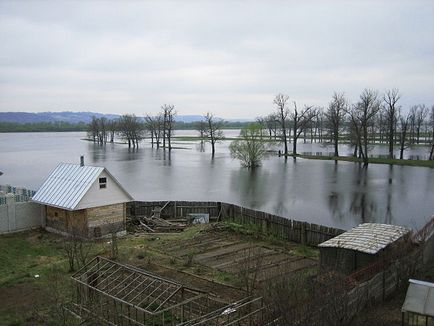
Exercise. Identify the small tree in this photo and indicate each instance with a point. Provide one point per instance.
(250, 148)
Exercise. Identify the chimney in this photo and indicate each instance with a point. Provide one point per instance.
(81, 160)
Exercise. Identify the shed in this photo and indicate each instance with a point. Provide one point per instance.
(83, 200)
(361, 246)
(418, 307)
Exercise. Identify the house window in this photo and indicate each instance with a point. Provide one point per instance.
(102, 183)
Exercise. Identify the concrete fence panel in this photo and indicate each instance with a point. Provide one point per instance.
(20, 216)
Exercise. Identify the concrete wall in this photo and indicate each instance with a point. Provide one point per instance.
(15, 217)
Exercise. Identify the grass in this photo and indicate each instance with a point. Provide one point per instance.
(28, 255)
(23, 256)
(373, 160)
(255, 231)
(30, 300)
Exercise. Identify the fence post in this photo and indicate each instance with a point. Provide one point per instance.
(303, 234)
(10, 202)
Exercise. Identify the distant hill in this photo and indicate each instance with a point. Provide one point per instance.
(76, 117)
(66, 116)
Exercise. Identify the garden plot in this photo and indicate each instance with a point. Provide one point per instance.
(229, 252)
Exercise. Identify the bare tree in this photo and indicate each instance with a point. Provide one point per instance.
(131, 129)
(102, 130)
(335, 116)
(250, 268)
(201, 127)
(420, 113)
(154, 125)
(112, 126)
(77, 249)
(391, 112)
(301, 120)
(93, 129)
(288, 299)
(272, 123)
(362, 116)
(213, 132)
(403, 122)
(168, 114)
(282, 112)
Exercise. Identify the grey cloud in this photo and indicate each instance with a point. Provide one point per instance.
(228, 56)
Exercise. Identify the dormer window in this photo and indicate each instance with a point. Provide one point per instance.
(102, 183)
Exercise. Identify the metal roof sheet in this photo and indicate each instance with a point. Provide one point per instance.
(420, 298)
(67, 185)
(369, 238)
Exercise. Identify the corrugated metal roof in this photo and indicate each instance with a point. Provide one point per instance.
(419, 298)
(369, 238)
(67, 185)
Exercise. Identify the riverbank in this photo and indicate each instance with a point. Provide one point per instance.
(372, 160)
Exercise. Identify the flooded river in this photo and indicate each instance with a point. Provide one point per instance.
(340, 194)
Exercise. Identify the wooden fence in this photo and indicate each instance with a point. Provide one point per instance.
(266, 223)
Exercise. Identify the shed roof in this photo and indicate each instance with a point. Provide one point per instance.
(419, 298)
(369, 238)
(67, 185)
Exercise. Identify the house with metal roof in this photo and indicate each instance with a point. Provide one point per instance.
(418, 307)
(361, 246)
(83, 200)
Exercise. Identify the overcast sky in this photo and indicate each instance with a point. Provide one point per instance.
(227, 57)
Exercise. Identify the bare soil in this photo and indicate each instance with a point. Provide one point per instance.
(223, 250)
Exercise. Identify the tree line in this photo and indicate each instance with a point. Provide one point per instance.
(374, 119)
(158, 128)
(60, 126)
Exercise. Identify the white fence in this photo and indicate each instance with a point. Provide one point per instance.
(20, 216)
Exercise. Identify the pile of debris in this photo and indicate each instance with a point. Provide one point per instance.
(155, 223)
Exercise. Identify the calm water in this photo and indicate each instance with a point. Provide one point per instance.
(338, 194)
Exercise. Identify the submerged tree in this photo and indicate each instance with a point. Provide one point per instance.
(131, 129)
(251, 147)
(403, 124)
(362, 116)
(168, 113)
(282, 114)
(301, 120)
(335, 116)
(391, 112)
(213, 131)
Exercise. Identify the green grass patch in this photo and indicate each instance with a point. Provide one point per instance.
(25, 255)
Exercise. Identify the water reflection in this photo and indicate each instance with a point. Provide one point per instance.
(335, 199)
(389, 215)
(363, 204)
(201, 146)
(341, 194)
(252, 186)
